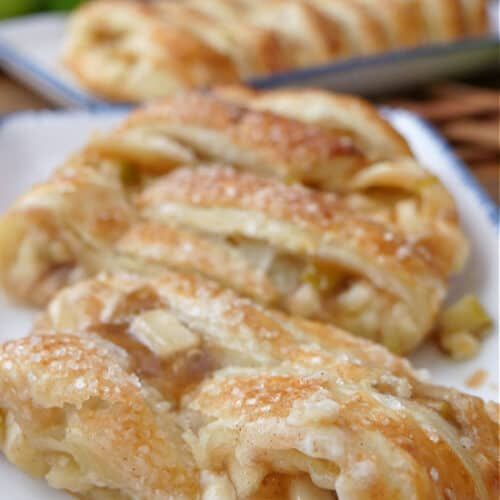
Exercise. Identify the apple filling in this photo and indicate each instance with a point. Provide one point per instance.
(328, 292)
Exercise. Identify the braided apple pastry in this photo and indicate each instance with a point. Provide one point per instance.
(357, 27)
(400, 19)
(121, 50)
(307, 252)
(133, 388)
(133, 51)
(372, 256)
(331, 142)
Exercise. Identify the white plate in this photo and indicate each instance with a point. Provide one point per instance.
(30, 49)
(32, 144)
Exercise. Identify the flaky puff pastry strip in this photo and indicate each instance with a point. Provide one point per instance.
(254, 51)
(74, 413)
(343, 113)
(300, 403)
(122, 51)
(283, 245)
(315, 228)
(125, 51)
(359, 28)
(475, 16)
(309, 136)
(400, 19)
(59, 224)
(307, 37)
(268, 143)
(444, 19)
(83, 221)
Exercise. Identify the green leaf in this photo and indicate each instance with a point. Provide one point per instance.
(10, 8)
(62, 4)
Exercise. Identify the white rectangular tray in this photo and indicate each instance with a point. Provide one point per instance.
(32, 144)
(30, 49)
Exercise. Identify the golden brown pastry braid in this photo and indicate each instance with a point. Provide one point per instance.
(176, 388)
(342, 113)
(268, 143)
(334, 142)
(74, 413)
(475, 14)
(374, 256)
(400, 19)
(131, 51)
(444, 19)
(308, 37)
(123, 51)
(361, 32)
(308, 252)
(254, 50)
(320, 258)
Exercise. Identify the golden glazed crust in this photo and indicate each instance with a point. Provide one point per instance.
(225, 188)
(74, 413)
(400, 19)
(56, 230)
(292, 236)
(359, 28)
(277, 406)
(324, 138)
(123, 50)
(444, 19)
(374, 256)
(307, 36)
(312, 226)
(257, 140)
(254, 50)
(475, 16)
(291, 203)
(338, 112)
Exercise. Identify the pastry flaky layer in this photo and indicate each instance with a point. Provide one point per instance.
(173, 387)
(222, 184)
(133, 51)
